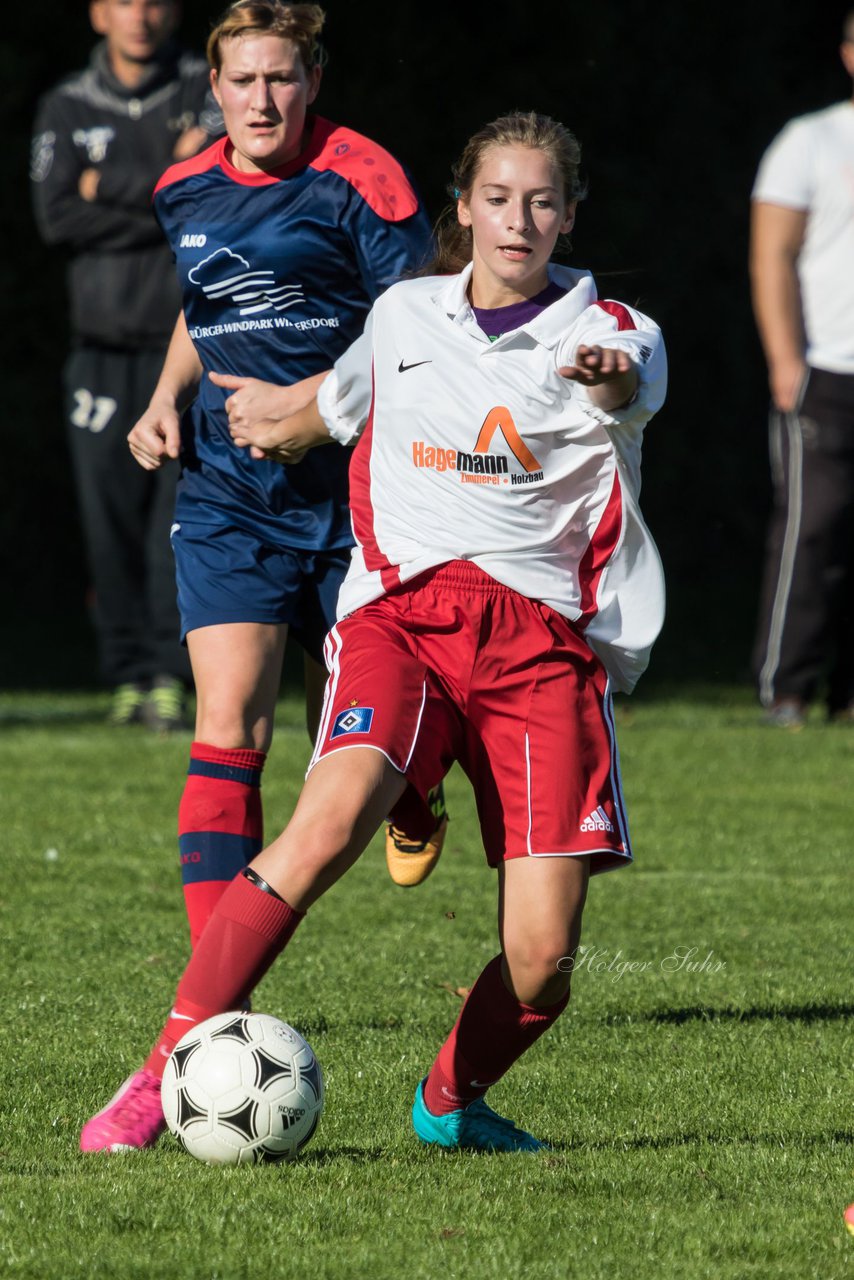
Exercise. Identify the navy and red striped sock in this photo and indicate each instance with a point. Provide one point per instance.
(220, 825)
(493, 1030)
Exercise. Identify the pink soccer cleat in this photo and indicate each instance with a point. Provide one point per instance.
(131, 1120)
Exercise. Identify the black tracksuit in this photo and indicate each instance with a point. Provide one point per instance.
(805, 636)
(124, 301)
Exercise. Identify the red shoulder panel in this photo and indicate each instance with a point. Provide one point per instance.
(199, 163)
(375, 174)
(620, 314)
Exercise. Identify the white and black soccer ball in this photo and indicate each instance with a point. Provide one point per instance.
(242, 1088)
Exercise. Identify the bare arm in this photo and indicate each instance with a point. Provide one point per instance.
(124, 183)
(776, 237)
(287, 440)
(253, 401)
(157, 435)
(609, 375)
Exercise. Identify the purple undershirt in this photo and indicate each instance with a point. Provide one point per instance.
(497, 320)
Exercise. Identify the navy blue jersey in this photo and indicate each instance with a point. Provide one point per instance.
(278, 271)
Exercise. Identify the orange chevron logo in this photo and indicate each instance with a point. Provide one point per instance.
(501, 419)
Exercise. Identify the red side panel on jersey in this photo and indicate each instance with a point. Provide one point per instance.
(376, 175)
(200, 163)
(601, 548)
(620, 313)
(362, 510)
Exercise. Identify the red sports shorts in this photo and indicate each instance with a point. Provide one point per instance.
(455, 666)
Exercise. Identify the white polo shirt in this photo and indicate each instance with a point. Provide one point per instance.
(810, 166)
(479, 450)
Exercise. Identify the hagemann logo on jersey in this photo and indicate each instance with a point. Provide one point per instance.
(225, 274)
(480, 466)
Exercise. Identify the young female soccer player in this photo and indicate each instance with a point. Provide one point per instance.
(283, 233)
(503, 579)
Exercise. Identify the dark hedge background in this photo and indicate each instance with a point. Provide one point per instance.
(673, 102)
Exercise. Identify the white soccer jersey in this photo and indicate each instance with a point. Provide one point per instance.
(810, 166)
(478, 450)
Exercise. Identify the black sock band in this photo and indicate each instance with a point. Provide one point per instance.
(254, 878)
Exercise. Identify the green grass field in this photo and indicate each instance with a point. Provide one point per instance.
(697, 1094)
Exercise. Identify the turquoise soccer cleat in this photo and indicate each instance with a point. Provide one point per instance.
(473, 1128)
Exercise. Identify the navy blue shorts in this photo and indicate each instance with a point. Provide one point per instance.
(226, 574)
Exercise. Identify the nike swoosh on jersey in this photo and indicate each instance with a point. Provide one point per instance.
(402, 368)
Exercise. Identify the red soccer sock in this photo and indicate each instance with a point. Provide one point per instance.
(492, 1031)
(247, 930)
(220, 825)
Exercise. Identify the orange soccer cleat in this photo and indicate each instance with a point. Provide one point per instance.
(409, 861)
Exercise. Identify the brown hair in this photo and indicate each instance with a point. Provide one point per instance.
(519, 129)
(300, 23)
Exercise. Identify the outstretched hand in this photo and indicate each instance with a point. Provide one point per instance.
(595, 365)
(610, 373)
(252, 401)
(278, 423)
